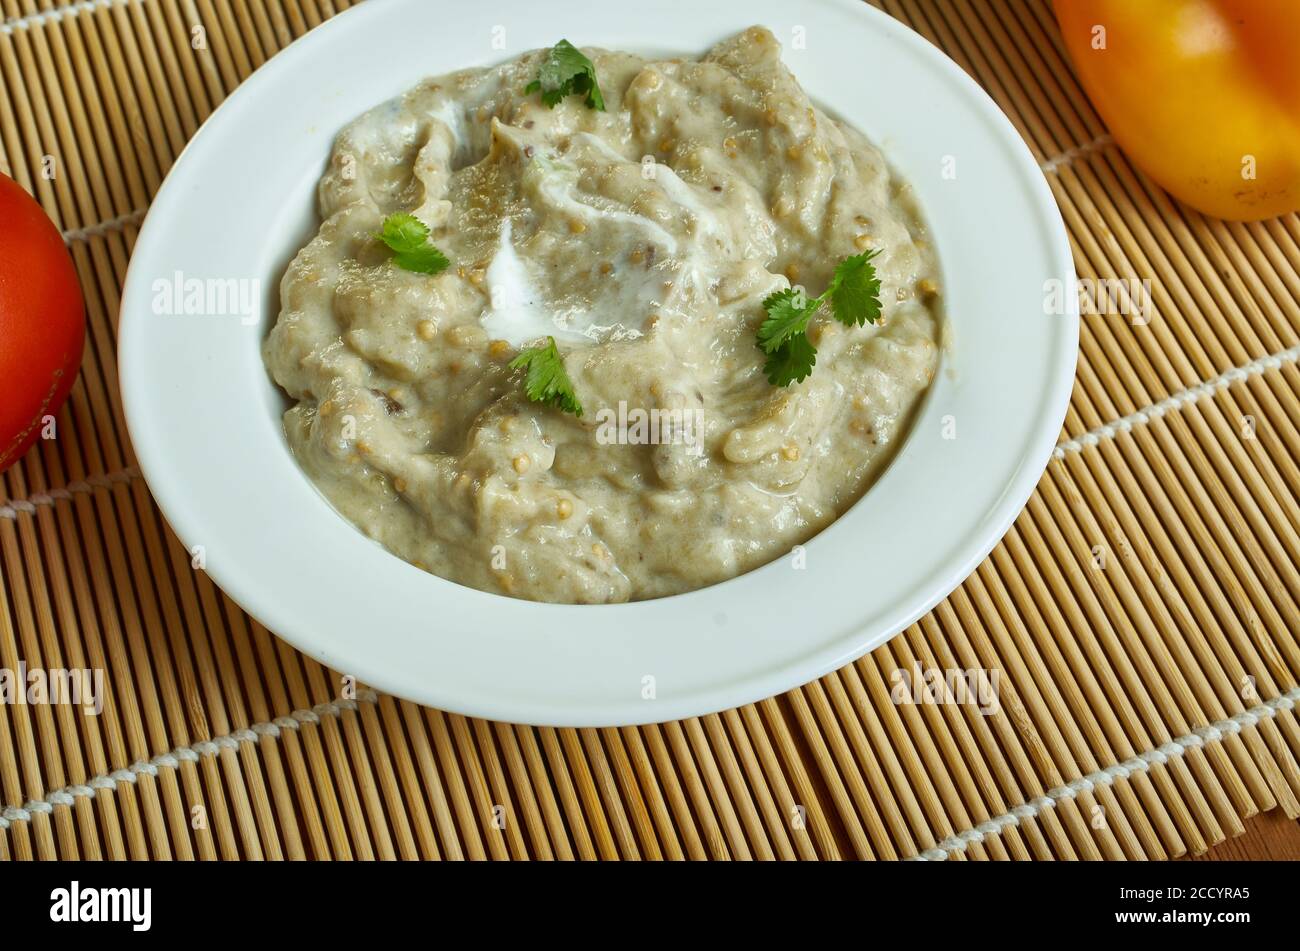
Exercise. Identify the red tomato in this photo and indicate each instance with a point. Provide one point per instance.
(42, 321)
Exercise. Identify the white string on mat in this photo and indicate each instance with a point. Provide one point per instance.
(28, 505)
(102, 228)
(1211, 733)
(1070, 156)
(1141, 763)
(1176, 401)
(41, 18)
(68, 795)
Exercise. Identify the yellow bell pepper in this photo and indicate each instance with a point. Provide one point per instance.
(1203, 95)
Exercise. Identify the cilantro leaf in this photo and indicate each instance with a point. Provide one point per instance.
(792, 361)
(565, 71)
(403, 232)
(408, 238)
(788, 312)
(425, 260)
(546, 380)
(855, 291)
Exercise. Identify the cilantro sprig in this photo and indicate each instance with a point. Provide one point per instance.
(854, 293)
(567, 72)
(408, 238)
(546, 380)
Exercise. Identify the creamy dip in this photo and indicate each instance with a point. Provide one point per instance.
(644, 239)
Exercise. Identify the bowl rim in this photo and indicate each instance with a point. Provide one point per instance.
(504, 693)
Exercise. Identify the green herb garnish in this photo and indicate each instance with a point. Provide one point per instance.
(547, 381)
(854, 293)
(567, 72)
(408, 238)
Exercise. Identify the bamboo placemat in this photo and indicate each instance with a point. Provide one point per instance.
(1141, 614)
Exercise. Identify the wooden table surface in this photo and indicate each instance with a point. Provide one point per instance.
(1269, 835)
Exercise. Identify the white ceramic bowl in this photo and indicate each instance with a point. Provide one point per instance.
(205, 417)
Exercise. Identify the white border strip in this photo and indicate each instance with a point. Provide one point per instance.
(8, 27)
(1138, 764)
(80, 487)
(1176, 401)
(105, 227)
(68, 795)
